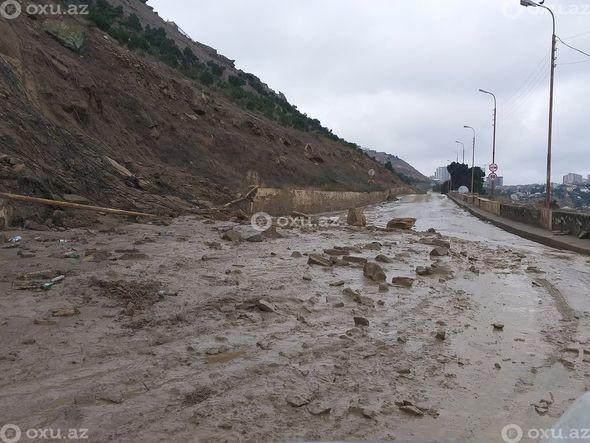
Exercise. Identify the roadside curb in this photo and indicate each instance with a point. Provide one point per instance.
(546, 240)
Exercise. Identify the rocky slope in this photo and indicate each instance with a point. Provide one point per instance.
(130, 113)
(406, 171)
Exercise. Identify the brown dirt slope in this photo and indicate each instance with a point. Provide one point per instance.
(125, 130)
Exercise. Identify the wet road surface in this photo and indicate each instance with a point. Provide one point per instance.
(202, 339)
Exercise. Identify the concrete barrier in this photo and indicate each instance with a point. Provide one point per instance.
(540, 217)
(570, 221)
(277, 201)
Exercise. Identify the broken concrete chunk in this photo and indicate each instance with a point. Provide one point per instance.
(319, 260)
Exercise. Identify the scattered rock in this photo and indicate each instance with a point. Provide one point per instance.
(410, 408)
(265, 306)
(405, 282)
(383, 287)
(439, 252)
(584, 235)
(361, 321)
(401, 223)
(356, 217)
(319, 260)
(335, 252)
(337, 283)
(296, 254)
(257, 238)
(374, 272)
(374, 246)
(422, 271)
(65, 312)
(498, 326)
(297, 400)
(232, 235)
(354, 259)
(383, 259)
(34, 226)
(441, 335)
(316, 408)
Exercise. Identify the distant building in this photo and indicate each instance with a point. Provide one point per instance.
(442, 174)
(573, 179)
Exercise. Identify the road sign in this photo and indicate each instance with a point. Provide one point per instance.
(493, 168)
(492, 176)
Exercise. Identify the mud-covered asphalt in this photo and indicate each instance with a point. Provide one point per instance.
(170, 333)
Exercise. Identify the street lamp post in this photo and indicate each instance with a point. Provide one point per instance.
(494, 143)
(550, 132)
(462, 144)
(472, 158)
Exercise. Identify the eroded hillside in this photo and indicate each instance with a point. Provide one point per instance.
(86, 112)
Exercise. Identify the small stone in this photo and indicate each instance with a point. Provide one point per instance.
(583, 235)
(439, 252)
(383, 259)
(353, 259)
(361, 321)
(296, 254)
(65, 312)
(423, 271)
(317, 408)
(257, 238)
(265, 306)
(337, 283)
(34, 226)
(297, 400)
(383, 287)
(319, 260)
(232, 235)
(405, 282)
(374, 272)
(441, 335)
(497, 366)
(498, 326)
(374, 246)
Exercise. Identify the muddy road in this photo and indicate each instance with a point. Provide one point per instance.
(173, 333)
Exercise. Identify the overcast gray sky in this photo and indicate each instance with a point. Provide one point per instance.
(401, 76)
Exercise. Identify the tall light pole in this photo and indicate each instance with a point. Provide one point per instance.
(494, 143)
(462, 144)
(550, 134)
(472, 158)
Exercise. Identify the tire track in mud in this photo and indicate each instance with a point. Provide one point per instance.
(561, 304)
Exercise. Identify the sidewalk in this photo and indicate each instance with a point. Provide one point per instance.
(539, 235)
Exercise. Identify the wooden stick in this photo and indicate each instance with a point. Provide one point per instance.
(241, 199)
(47, 202)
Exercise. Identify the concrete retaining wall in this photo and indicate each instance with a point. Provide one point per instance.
(275, 201)
(5, 214)
(571, 221)
(540, 217)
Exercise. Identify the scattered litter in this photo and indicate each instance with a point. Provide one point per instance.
(15, 239)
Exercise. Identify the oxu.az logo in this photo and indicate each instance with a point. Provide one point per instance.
(11, 9)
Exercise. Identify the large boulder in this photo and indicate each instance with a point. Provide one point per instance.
(356, 217)
(401, 223)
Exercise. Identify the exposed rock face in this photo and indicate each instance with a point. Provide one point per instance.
(356, 217)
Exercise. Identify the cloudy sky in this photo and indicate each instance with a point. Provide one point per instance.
(402, 76)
